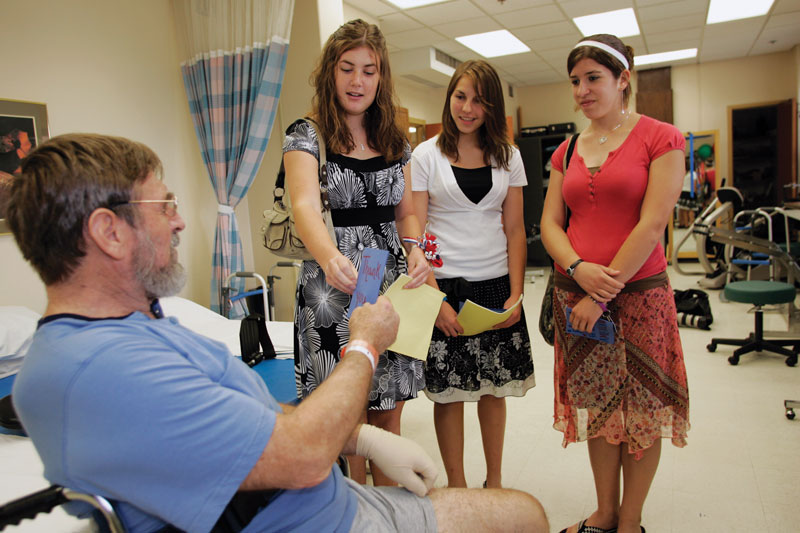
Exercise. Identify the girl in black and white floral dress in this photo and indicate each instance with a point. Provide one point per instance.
(370, 197)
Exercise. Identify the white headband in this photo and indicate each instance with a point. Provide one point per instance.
(604, 47)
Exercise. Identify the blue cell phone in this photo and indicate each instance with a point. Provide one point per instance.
(602, 331)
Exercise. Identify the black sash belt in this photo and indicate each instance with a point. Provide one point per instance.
(242, 508)
(566, 283)
(362, 216)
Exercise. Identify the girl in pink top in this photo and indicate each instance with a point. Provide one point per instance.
(619, 188)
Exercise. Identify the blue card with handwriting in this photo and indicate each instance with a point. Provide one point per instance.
(370, 278)
(602, 331)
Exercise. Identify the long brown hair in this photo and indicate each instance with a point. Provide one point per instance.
(383, 135)
(492, 136)
(604, 58)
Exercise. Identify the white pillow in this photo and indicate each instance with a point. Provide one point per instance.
(187, 311)
(17, 325)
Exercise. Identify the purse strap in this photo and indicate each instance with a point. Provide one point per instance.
(323, 168)
(280, 190)
(567, 156)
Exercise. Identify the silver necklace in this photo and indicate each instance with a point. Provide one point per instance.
(362, 147)
(604, 138)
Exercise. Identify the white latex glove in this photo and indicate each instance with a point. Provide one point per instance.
(401, 459)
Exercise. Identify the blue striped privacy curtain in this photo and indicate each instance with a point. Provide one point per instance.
(237, 53)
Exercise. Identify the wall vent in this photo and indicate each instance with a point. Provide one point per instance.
(427, 65)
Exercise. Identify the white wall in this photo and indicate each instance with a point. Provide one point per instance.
(108, 67)
(422, 102)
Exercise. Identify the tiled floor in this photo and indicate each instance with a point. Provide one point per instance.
(740, 471)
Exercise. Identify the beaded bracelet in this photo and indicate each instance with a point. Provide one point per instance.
(603, 306)
(429, 245)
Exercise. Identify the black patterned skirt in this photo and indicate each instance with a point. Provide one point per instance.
(496, 362)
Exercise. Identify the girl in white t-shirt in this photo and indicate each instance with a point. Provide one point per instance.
(467, 184)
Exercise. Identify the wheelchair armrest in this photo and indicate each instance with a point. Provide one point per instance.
(30, 505)
(45, 500)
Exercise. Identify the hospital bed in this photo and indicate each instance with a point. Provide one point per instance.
(21, 470)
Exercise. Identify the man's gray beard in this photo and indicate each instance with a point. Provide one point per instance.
(161, 282)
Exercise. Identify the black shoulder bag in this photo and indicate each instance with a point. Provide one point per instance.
(546, 322)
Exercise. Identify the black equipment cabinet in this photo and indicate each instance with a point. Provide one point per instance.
(763, 151)
(536, 153)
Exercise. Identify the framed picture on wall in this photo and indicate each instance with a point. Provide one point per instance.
(23, 127)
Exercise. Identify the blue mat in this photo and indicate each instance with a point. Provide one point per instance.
(278, 374)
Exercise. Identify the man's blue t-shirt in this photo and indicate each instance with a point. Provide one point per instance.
(162, 420)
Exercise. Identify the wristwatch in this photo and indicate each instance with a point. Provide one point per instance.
(571, 268)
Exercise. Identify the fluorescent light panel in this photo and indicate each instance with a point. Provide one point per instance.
(406, 4)
(621, 22)
(662, 57)
(494, 43)
(726, 10)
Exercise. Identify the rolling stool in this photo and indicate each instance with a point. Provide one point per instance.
(759, 293)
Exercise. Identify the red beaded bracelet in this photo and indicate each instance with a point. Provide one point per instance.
(429, 245)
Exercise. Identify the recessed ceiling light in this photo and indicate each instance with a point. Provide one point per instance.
(494, 43)
(663, 57)
(725, 10)
(406, 4)
(621, 23)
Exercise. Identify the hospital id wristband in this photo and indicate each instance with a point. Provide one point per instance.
(362, 347)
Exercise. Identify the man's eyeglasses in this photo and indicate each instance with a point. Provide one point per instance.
(170, 204)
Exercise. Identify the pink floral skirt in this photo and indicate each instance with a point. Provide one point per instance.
(632, 391)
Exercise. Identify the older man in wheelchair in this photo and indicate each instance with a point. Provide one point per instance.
(165, 423)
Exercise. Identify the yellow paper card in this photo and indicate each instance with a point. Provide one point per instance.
(418, 309)
(476, 319)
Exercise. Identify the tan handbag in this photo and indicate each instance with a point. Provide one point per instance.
(280, 233)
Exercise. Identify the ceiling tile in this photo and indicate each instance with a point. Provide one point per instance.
(783, 20)
(468, 27)
(545, 31)
(516, 59)
(636, 42)
(579, 8)
(643, 3)
(786, 6)
(530, 17)
(658, 39)
(668, 46)
(467, 54)
(446, 12)
(376, 8)
(398, 22)
(661, 24)
(557, 59)
(495, 7)
(737, 31)
(695, 9)
(414, 38)
(563, 42)
(776, 40)
(449, 46)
